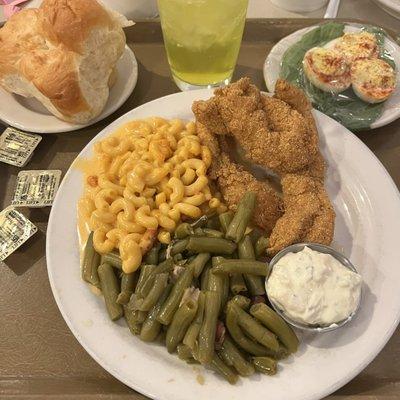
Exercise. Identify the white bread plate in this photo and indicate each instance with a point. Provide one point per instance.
(272, 67)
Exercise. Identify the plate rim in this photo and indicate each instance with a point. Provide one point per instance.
(104, 364)
(75, 127)
(381, 121)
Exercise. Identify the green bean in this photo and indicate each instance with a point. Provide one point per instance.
(151, 327)
(145, 273)
(232, 266)
(113, 259)
(246, 252)
(255, 330)
(254, 235)
(237, 284)
(110, 288)
(152, 255)
(265, 365)
(219, 366)
(219, 283)
(180, 324)
(90, 264)
(233, 357)
(137, 315)
(162, 255)
(160, 283)
(128, 282)
(204, 277)
(178, 247)
(242, 217)
(165, 266)
(199, 262)
(199, 223)
(192, 333)
(241, 301)
(214, 233)
(261, 246)
(185, 353)
(199, 232)
(208, 328)
(213, 223)
(238, 336)
(276, 324)
(210, 245)
(183, 230)
(168, 309)
(225, 219)
(131, 320)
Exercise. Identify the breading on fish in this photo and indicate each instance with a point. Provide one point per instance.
(278, 133)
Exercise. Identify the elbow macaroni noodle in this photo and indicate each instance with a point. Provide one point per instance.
(145, 179)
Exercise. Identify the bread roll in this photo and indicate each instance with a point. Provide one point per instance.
(63, 54)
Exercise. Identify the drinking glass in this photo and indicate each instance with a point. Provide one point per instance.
(202, 39)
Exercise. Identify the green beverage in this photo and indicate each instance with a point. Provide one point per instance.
(202, 39)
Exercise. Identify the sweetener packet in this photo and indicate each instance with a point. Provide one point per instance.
(15, 229)
(16, 147)
(36, 188)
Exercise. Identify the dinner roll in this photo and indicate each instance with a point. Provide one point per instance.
(63, 54)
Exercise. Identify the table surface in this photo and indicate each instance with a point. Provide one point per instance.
(39, 356)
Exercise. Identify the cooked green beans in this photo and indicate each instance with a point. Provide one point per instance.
(128, 282)
(185, 353)
(151, 327)
(239, 337)
(187, 295)
(113, 259)
(241, 301)
(250, 267)
(110, 288)
(90, 264)
(265, 365)
(178, 247)
(233, 357)
(208, 329)
(183, 230)
(145, 273)
(261, 246)
(165, 266)
(255, 330)
(242, 217)
(168, 309)
(213, 233)
(131, 320)
(237, 284)
(219, 366)
(180, 324)
(210, 245)
(160, 283)
(253, 282)
(192, 333)
(152, 255)
(225, 219)
(276, 324)
(199, 262)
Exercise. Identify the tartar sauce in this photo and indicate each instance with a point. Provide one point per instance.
(314, 288)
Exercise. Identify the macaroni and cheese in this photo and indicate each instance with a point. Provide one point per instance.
(142, 182)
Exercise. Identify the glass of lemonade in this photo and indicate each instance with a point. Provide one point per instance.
(202, 39)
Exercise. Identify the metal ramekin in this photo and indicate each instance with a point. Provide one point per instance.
(295, 248)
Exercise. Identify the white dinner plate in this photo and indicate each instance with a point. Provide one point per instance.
(272, 67)
(390, 6)
(367, 204)
(30, 115)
